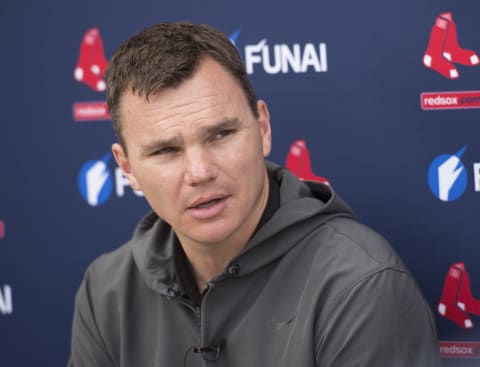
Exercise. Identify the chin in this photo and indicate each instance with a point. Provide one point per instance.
(211, 235)
(210, 238)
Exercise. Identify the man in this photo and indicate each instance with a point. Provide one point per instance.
(240, 263)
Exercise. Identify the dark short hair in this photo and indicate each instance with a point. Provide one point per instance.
(164, 55)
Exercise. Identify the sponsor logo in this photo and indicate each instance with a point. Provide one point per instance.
(457, 304)
(447, 176)
(442, 56)
(96, 182)
(457, 300)
(2, 229)
(459, 349)
(6, 304)
(283, 58)
(234, 36)
(298, 161)
(89, 111)
(90, 71)
(449, 100)
(444, 51)
(91, 64)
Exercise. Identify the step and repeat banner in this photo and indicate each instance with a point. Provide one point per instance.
(381, 99)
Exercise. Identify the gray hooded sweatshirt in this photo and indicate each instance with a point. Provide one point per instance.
(312, 287)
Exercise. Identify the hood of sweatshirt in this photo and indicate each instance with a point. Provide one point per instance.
(304, 206)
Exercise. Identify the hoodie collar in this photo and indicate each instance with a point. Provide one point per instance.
(303, 206)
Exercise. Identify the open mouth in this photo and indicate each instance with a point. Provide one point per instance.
(208, 207)
(208, 204)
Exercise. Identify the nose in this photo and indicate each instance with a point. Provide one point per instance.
(200, 167)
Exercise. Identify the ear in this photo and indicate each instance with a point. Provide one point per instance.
(264, 124)
(124, 164)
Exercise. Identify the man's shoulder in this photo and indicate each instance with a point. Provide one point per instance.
(352, 238)
(110, 267)
(144, 260)
(343, 252)
(342, 256)
(365, 242)
(123, 256)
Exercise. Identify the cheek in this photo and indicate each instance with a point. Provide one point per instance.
(240, 159)
(162, 193)
(245, 163)
(156, 181)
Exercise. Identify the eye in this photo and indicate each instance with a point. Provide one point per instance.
(224, 133)
(166, 150)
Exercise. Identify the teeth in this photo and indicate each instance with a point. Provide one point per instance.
(207, 204)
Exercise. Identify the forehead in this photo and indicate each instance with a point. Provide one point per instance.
(209, 92)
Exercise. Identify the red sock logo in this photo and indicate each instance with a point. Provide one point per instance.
(457, 298)
(2, 229)
(443, 48)
(298, 161)
(91, 61)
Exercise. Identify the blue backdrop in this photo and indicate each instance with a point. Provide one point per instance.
(384, 96)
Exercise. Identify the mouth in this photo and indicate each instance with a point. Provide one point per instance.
(208, 207)
(207, 202)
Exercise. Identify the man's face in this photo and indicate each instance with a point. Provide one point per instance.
(196, 151)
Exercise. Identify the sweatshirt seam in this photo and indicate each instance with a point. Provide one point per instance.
(357, 244)
(348, 289)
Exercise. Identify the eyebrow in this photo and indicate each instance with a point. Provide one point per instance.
(177, 140)
(223, 125)
(159, 144)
